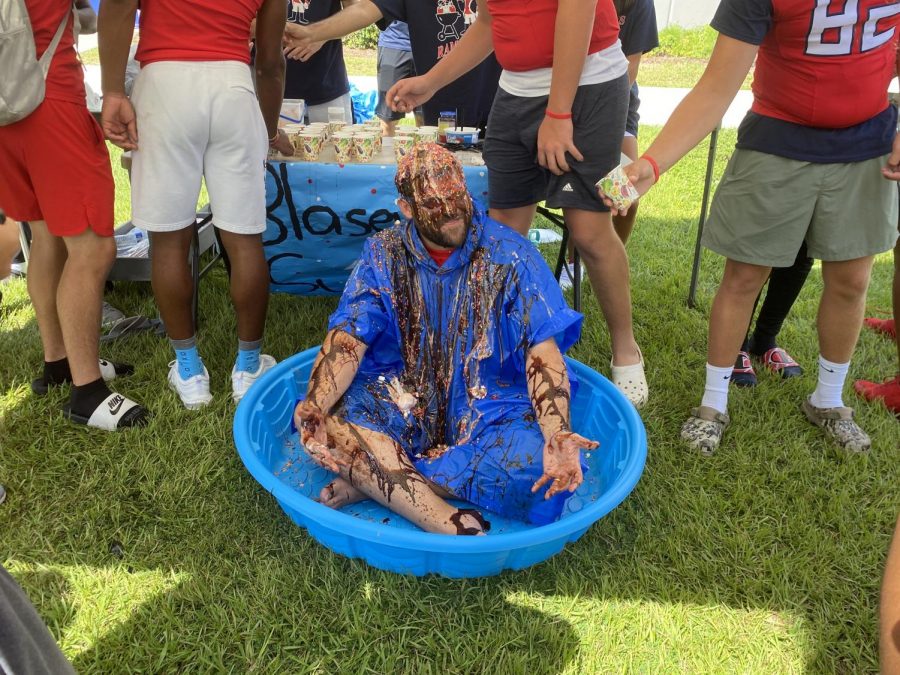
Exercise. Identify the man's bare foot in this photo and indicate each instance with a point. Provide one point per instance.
(338, 493)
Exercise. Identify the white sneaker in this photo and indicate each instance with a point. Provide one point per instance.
(241, 380)
(194, 391)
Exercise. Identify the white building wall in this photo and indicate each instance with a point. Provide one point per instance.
(686, 13)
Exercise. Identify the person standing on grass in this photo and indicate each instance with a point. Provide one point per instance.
(57, 177)
(318, 75)
(807, 167)
(195, 115)
(435, 29)
(556, 127)
(395, 61)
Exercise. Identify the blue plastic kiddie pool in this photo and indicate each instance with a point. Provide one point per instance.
(272, 453)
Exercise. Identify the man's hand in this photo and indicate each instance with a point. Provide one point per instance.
(891, 170)
(282, 144)
(119, 121)
(407, 95)
(641, 175)
(310, 420)
(554, 141)
(562, 462)
(301, 51)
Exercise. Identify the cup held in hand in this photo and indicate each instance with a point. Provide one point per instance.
(620, 191)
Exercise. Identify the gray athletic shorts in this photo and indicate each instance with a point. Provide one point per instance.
(510, 148)
(393, 66)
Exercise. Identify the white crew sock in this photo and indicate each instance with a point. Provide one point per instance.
(715, 395)
(831, 384)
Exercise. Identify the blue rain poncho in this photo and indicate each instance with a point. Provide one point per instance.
(456, 337)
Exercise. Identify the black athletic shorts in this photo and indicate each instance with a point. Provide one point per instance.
(510, 148)
(393, 66)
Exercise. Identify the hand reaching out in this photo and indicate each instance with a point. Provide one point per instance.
(641, 175)
(282, 144)
(310, 420)
(407, 95)
(562, 463)
(301, 50)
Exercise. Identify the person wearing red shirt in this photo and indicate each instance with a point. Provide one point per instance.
(807, 167)
(57, 177)
(197, 113)
(555, 128)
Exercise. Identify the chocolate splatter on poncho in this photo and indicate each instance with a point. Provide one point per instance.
(455, 337)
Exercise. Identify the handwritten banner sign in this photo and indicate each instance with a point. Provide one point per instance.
(319, 214)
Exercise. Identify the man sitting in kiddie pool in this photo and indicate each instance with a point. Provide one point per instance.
(442, 375)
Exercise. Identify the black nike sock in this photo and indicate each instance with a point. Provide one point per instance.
(85, 399)
(57, 372)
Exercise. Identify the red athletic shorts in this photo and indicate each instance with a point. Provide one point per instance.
(54, 167)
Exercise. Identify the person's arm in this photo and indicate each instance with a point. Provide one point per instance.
(548, 388)
(890, 609)
(305, 49)
(115, 27)
(269, 66)
(87, 19)
(473, 48)
(891, 169)
(700, 111)
(356, 15)
(332, 373)
(571, 40)
(634, 64)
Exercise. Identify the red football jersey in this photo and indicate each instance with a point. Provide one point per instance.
(827, 63)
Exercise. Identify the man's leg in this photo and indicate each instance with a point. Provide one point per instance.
(731, 311)
(379, 468)
(249, 283)
(607, 265)
(173, 285)
(890, 609)
(9, 246)
(46, 262)
(519, 218)
(839, 322)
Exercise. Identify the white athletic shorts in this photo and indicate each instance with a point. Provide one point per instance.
(198, 119)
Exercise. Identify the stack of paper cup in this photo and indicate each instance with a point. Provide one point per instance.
(343, 146)
(311, 142)
(364, 146)
(293, 133)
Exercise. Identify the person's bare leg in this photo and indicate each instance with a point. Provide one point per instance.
(895, 296)
(380, 469)
(9, 246)
(387, 127)
(249, 283)
(79, 301)
(731, 311)
(173, 286)
(340, 492)
(841, 307)
(519, 218)
(604, 258)
(625, 224)
(890, 609)
(46, 261)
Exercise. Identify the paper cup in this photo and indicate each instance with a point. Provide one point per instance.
(364, 147)
(619, 189)
(311, 142)
(402, 145)
(427, 135)
(343, 147)
(335, 127)
(405, 131)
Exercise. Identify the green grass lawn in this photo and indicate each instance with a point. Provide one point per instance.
(155, 551)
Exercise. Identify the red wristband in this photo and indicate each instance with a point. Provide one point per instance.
(654, 166)
(559, 116)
